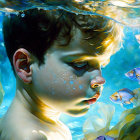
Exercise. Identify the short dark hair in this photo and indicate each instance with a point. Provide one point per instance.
(38, 29)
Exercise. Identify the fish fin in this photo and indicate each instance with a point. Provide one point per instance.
(132, 99)
(127, 102)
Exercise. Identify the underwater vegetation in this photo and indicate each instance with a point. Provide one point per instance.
(130, 131)
(98, 125)
(128, 127)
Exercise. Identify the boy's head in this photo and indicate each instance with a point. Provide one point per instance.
(57, 56)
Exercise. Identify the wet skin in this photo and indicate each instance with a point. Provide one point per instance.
(69, 81)
(70, 77)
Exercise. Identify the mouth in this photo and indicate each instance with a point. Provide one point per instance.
(111, 98)
(93, 99)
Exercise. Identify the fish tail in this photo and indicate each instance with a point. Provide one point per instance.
(136, 93)
(136, 96)
(132, 99)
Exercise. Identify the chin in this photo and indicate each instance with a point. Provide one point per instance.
(77, 113)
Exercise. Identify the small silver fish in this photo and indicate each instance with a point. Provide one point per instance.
(124, 97)
(134, 74)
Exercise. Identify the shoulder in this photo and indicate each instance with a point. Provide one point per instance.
(37, 135)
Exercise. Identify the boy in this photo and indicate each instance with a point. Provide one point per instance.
(56, 57)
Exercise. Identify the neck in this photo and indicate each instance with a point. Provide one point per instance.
(36, 107)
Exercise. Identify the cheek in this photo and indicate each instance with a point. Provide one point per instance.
(60, 85)
(69, 86)
(42, 79)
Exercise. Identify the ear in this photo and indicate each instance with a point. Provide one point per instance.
(21, 62)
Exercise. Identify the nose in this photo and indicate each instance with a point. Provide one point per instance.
(97, 81)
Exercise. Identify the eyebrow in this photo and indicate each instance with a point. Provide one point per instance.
(82, 57)
(78, 57)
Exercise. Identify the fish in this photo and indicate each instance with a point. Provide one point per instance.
(105, 138)
(125, 97)
(134, 74)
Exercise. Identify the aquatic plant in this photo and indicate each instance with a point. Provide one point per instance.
(127, 128)
(128, 124)
(130, 131)
(98, 125)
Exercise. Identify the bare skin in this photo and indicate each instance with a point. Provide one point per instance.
(61, 84)
(24, 125)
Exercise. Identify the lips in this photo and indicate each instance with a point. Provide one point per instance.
(94, 99)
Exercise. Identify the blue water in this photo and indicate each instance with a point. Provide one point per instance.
(124, 60)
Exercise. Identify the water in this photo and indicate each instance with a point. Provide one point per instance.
(124, 60)
(91, 7)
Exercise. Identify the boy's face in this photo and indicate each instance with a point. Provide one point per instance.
(65, 84)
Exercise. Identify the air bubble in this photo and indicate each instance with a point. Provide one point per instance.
(17, 13)
(71, 82)
(22, 15)
(7, 14)
(80, 86)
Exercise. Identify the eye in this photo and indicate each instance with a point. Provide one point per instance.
(116, 96)
(137, 76)
(79, 65)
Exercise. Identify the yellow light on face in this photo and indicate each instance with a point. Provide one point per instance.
(78, 0)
